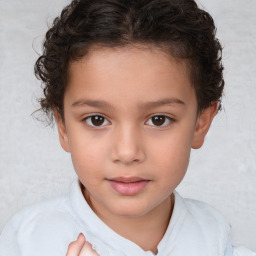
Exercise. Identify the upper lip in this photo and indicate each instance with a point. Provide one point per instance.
(127, 179)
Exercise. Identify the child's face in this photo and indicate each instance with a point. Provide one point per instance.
(130, 122)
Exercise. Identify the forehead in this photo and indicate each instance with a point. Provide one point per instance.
(129, 73)
(100, 55)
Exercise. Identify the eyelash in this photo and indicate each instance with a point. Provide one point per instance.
(166, 122)
(88, 120)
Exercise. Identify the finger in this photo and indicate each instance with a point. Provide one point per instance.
(87, 250)
(75, 247)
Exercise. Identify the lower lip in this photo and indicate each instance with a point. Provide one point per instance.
(128, 189)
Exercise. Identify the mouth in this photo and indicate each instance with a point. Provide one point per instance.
(128, 186)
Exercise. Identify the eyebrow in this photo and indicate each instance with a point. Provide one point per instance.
(92, 103)
(146, 105)
(162, 102)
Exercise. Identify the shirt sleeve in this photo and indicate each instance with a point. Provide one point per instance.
(8, 241)
(237, 251)
(242, 251)
(229, 248)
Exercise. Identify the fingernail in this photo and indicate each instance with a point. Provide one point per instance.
(81, 234)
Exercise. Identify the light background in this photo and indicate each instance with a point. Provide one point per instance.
(34, 167)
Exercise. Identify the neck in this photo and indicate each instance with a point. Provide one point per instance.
(146, 231)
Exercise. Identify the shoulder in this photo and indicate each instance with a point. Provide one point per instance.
(205, 229)
(200, 227)
(203, 215)
(39, 226)
(57, 207)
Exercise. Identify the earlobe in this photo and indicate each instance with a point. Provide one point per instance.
(203, 124)
(61, 131)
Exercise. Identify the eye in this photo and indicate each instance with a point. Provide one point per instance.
(96, 121)
(159, 120)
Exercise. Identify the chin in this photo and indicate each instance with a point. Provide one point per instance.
(129, 210)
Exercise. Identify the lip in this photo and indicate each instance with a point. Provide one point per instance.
(128, 186)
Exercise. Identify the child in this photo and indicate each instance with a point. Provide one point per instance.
(133, 86)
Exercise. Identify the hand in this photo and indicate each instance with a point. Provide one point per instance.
(80, 247)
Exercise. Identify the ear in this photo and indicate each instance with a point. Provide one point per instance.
(203, 124)
(63, 137)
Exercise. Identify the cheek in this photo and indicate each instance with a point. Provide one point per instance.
(87, 157)
(171, 155)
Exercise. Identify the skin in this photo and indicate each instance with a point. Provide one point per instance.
(80, 247)
(129, 88)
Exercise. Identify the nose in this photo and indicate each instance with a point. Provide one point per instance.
(127, 146)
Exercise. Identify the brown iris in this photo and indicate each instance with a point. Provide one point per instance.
(97, 120)
(158, 120)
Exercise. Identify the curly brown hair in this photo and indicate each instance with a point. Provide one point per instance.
(179, 26)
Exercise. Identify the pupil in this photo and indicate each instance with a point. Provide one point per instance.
(158, 120)
(97, 120)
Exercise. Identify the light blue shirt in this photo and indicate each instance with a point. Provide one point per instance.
(47, 228)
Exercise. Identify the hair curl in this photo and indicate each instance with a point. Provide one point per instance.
(180, 26)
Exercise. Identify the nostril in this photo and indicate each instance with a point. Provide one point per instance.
(128, 156)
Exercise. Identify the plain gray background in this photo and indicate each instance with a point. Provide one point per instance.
(34, 167)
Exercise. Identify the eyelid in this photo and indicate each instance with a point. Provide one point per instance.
(171, 120)
(84, 119)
